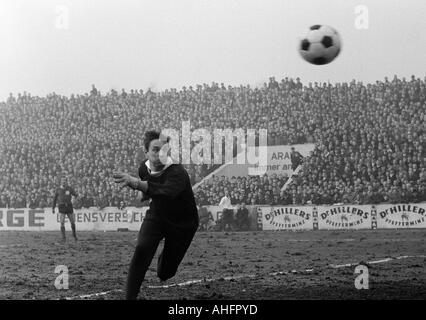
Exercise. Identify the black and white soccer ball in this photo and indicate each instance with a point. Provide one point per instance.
(320, 45)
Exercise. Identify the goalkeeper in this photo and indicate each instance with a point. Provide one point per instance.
(172, 214)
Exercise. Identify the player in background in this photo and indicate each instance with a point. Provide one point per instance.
(172, 213)
(63, 196)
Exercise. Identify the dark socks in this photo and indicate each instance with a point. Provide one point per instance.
(137, 270)
(73, 231)
(63, 232)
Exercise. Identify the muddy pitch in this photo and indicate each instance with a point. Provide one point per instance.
(260, 265)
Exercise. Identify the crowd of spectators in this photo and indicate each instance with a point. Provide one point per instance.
(250, 190)
(371, 146)
(371, 140)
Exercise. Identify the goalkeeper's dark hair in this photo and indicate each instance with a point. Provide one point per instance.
(152, 135)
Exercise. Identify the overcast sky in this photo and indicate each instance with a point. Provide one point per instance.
(174, 43)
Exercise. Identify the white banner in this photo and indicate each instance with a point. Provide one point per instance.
(388, 216)
(344, 217)
(287, 218)
(106, 219)
(401, 216)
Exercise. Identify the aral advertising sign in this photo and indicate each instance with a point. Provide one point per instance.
(86, 219)
(344, 217)
(287, 218)
(401, 216)
(278, 161)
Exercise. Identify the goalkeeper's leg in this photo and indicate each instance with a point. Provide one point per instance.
(176, 244)
(150, 235)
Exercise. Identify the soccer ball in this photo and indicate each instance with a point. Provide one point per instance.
(320, 45)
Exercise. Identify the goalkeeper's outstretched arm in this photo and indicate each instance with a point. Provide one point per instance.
(126, 180)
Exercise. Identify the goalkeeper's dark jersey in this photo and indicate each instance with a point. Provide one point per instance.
(172, 196)
(63, 199)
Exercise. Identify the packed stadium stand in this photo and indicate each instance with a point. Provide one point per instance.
(370, 141)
